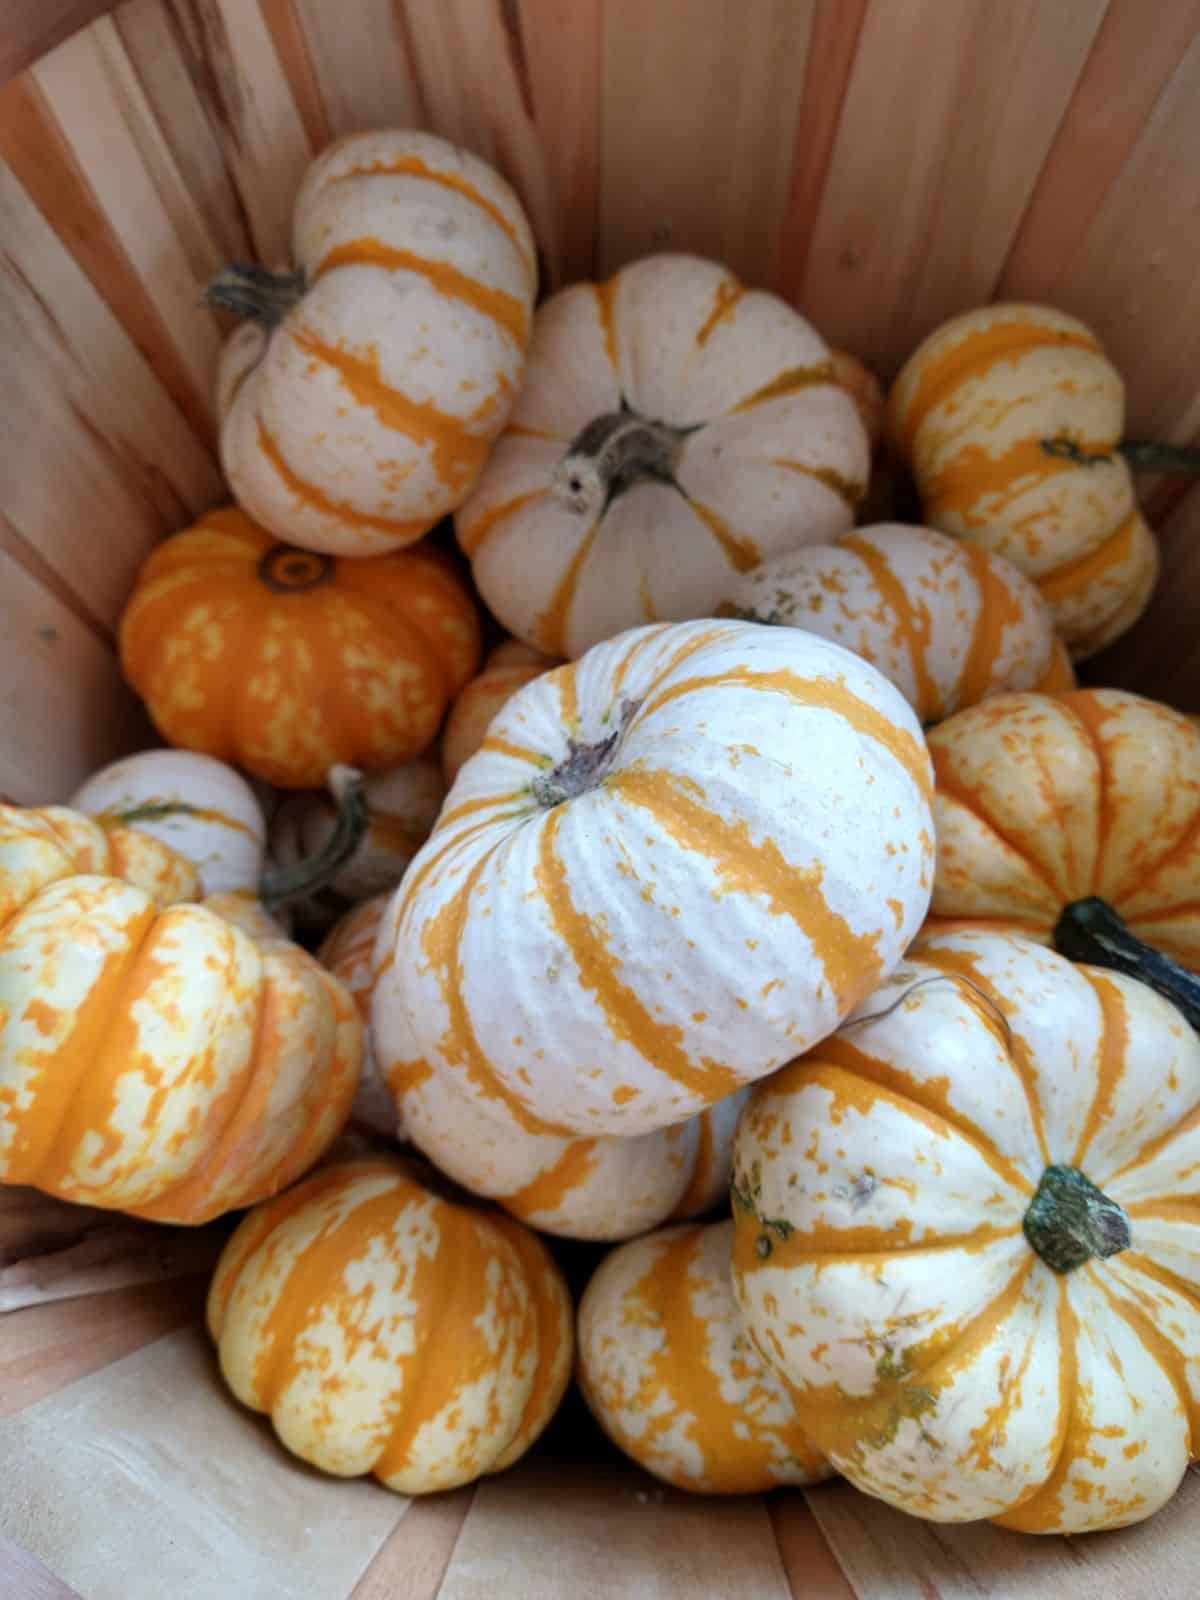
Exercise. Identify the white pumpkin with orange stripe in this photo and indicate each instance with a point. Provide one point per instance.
(192, 802)
(1010, 418)
(948, 623)
(671, 866)
(359, 402)
(669, 1374)
(348, 951)
(674, 428)
(386, 1330)
(968, 1233)
(153, 1057)
(597, 1188)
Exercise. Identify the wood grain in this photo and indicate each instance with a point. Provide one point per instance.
(609, 1532)
(364, 72)
(33, 27)
(413, 1560)
(809, 1564)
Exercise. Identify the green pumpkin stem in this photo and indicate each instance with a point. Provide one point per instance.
(254, 294)
(1091, 931)
(1148, 455)
(307, 877)
(1070, 1221)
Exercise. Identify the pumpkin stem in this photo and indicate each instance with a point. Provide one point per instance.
(609, 455)
(1148, 455)
(1070, 1221)
(314, 872)
(1090, 930)
(254, 294)
(583, 766)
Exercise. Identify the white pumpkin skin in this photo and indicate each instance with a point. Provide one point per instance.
(365, 415)
(348, 952)
(948, 623)
(402, 806)
(217, 822)
(880, 1192)
(670, 1375)
(672, 866)
(599, 1188)
(762, 451)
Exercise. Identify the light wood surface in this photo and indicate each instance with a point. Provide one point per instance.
(879, 162)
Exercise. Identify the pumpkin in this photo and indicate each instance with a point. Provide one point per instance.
(45, 845)
(596, 1188)
(865, 389)
(402, 806)
(197, 805)
(1045, 803)
(359, 401)
(157, 1061)
(348, 952)
(387, 1330)
(286, 663)
(1010, 418)
(509, 667)
(674, 428)
(946, 622)
(966, 1232)
(636, 898)
(669, 1374)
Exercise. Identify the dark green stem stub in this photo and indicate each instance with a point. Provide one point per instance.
(1090, 930)
(311, 875)
(256, 295)
(1070, 1221)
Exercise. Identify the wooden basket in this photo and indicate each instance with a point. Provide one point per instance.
(882, 163)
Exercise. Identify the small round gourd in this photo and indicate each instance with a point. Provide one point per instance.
(669, 1374)
(509, 667)
(674, 428)
(636, 900)
(385, 1329)
(966, 1234)
(288, 663)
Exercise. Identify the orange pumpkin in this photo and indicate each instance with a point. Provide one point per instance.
(285, 662)
(390, 1331)
(156, 1061)
(509, 667)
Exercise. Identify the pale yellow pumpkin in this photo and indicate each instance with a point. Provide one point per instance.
(674, 428)
(1010, 418)
(968, 1233)
(386, 1330)
(669, 1374)
(348, 951)
(359, 404)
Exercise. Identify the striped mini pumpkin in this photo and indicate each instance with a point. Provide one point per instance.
(967, 1234)
(359, 403)
(669, 1374)
(597, 1188)
(1010, 418)
(161, 1061)
(1045, 801)
(672, 865)
(387, 1330)
(948, 623)
(673, 428)
(285, 662)
(44, 845)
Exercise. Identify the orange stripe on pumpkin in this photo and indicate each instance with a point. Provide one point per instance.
(914, 625)
(546, 1193)
(729, 292)
(691, 1198)
(1072, 576)
(846, 489)
(661, 1045)
(317, 500)
(789, 382)
(552, 623)
(850, 961)
(472, 538)
(823, 694)
(414, 167)
(606, 315)
(740, 550)
(502, 308)
(974, 358)
(999, 609)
